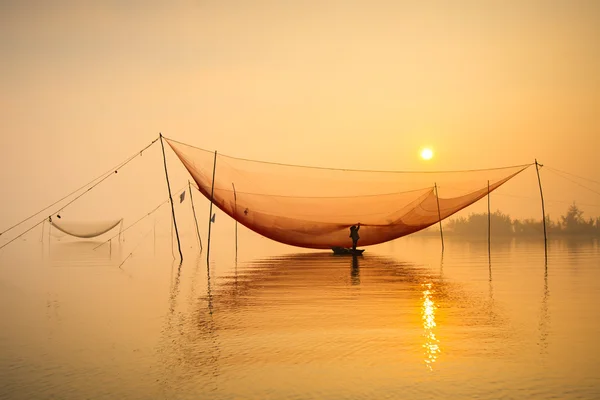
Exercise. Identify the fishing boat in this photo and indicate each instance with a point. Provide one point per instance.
(347, 251)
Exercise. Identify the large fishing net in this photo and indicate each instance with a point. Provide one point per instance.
(315, 207)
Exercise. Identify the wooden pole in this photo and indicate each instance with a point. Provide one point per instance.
(236, 223)
(170, 197)
(194, 212)
(439, 215)
(171, 247)
(489, 223)
(212, 193)
(537, 169)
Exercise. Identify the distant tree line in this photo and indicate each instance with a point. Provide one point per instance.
(573, 223)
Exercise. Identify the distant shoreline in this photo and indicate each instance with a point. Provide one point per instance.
(570, 225)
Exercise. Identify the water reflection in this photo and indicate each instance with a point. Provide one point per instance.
(302, 326)
(428, 309)
(355, 272)
(190, 345)
(82, 253)
(544, 323)
(305, 309)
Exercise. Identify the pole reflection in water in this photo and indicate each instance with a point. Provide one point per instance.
(544, 324)
(432, 348)
(355, 274)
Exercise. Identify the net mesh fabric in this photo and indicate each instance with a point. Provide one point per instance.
(315, 207)
(85, 229)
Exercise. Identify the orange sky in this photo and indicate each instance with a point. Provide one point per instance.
(342, 84)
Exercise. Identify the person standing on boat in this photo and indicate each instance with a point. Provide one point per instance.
(354, 235)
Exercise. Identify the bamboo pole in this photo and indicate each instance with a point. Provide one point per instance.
(170, 197)
(212, 193)
(537, 169)
(194, 212)
(439, 215)
(489, 223)
(235, 217)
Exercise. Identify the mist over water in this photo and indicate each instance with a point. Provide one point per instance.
(401, 321)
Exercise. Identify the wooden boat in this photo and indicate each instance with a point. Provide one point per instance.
(347, 251)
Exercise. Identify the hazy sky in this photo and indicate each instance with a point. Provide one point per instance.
(361, 84)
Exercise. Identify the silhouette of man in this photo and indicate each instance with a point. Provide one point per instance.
(354, 235)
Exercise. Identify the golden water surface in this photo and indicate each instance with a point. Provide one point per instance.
(402, 321)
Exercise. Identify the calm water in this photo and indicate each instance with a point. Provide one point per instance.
(399, 322)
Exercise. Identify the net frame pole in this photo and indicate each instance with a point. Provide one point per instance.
(537, 170)
(212, 193)
(194, 212)
(489, 222)
(437, 198)
(170, 197)
(235, 217)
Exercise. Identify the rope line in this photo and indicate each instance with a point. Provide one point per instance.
(576, 176)
(575, 182)
(325, 197)
(136, 246)
(350, 169)
(107, 173)
(151, 212)
(15, 238)
(147, 215)
(550, 201)
(93, 186)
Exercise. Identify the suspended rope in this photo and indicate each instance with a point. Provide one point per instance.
(576, 176)
(571, 180)
(103, 176)
(16, 237)
(133, 224)
(351, 169)
(548, 201)
(136, 246)
(123, 231)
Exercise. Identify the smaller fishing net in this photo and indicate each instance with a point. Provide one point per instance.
(85, 229)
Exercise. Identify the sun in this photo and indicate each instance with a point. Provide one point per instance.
(426, 153)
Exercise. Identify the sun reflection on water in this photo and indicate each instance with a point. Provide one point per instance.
(431, 345)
